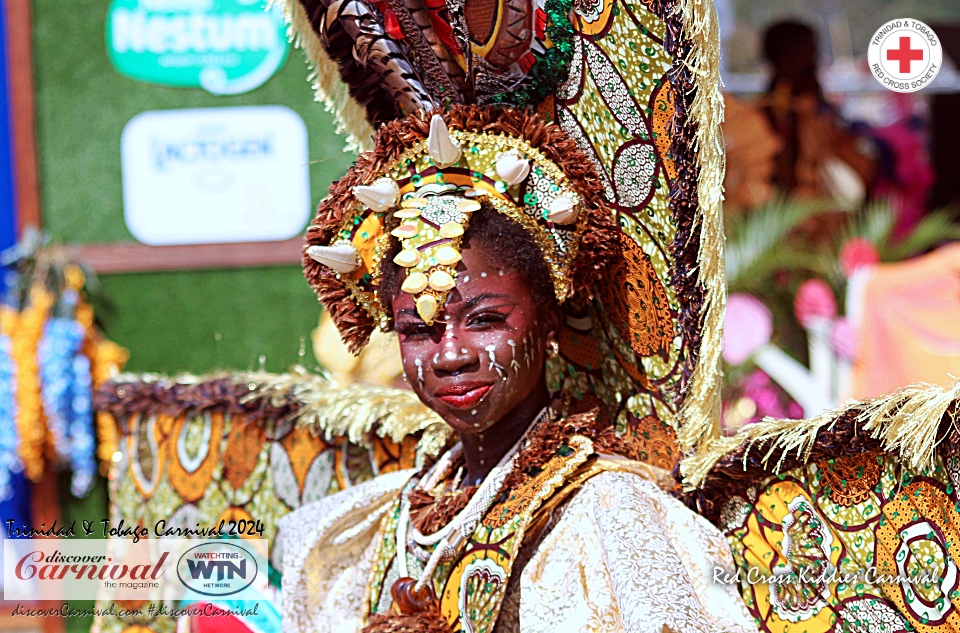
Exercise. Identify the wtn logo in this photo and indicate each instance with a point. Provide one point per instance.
(224, 568)
(217, 568)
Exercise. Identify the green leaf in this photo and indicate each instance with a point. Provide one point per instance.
(755, 240)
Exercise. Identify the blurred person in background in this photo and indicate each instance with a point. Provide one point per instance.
(820, 156)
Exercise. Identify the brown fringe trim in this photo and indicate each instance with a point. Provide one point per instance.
(598, 244)
(684, 196)
(166, 397)
(544, 442)
(419, 623)
(429, 514)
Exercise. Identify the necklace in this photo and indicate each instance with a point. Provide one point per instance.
(448, 538)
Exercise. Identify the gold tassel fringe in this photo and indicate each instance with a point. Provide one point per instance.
(905, 421)
(353, 411)
(701, 409)
(350, 117)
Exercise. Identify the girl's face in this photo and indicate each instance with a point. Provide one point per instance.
(486, 351)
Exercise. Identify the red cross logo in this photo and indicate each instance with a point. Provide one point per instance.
(905, 55)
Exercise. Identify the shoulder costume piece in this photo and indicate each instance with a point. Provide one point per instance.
(594, 126)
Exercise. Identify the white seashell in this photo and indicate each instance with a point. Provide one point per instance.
(512, 168)
(562, 210)
(443, 148)
(380, 196)
(342, 258)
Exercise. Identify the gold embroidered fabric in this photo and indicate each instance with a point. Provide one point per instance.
(623, 556)
(327, 553)
(627, 557)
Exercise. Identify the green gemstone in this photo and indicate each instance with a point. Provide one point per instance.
(500, 186)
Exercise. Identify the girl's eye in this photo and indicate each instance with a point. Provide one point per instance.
(487, 318)
(413, 330)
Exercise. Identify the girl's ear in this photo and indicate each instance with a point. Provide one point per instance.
(551, 321)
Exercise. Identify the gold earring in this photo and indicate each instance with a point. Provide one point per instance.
(553, 349)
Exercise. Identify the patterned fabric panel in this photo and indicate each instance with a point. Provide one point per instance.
(854, 544)
(204, 468)
(617, 104)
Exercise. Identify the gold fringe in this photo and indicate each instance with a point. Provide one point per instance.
(357, 410)
(700, 413)
(905, 421)
(353, 411)
(349, 116)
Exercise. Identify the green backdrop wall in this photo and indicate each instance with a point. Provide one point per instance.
(184, 321)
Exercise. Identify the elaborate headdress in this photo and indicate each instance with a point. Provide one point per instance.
(594, 125)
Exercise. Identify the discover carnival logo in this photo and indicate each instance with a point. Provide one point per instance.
(191, 570)
(223, 46)
(905, 55)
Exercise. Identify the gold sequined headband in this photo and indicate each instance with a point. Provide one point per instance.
(424, 197)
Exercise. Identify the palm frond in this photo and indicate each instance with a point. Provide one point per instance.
(875, 223)
(755, 240)
(935, 228)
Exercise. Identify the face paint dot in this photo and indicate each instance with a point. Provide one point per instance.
(436, 358)
(449, 355)
(500, 273)
(483, 274)
(466, 278)
(463, 350)
(474, 412)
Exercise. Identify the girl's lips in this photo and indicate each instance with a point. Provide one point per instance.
(468, 398)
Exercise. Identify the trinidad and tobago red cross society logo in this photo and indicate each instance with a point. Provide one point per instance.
(905, 55)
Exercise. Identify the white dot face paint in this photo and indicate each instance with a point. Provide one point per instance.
(483, 274)
(419, 365)
(436, 358)
(474, 412)
(500, 272)
(449, 355)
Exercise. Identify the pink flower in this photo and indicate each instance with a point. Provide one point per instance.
(814, 300)
(856, 253)
(843, 339)
(748, 326)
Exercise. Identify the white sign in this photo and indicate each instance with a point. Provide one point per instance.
(215, 175)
